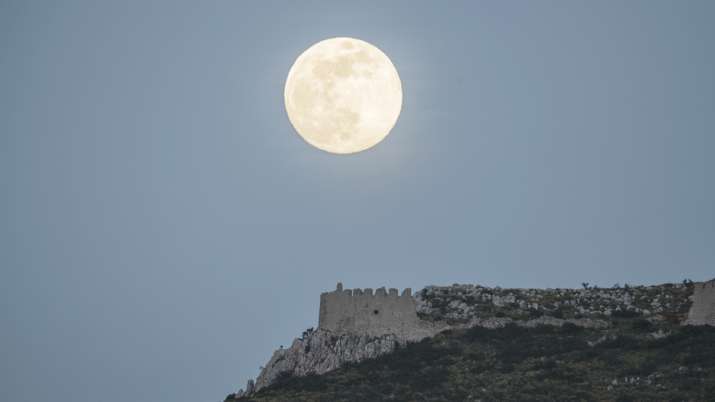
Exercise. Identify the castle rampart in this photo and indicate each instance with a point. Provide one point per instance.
(702, 311)
(360, 311)
(385, 311)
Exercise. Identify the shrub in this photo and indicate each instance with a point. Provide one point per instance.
(626, 314)
(641, 325)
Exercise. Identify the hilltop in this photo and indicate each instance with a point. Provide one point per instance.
(469, 342)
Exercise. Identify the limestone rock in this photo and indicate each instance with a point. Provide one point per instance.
(250, 387)
(321, 351)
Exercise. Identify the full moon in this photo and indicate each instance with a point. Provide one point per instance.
(343, 95)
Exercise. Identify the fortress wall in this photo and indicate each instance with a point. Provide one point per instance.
(364, 312)
(381, 311)
(702, 312)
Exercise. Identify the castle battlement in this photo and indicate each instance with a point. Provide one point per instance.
(379, 292)
(364, 311)
(704, 285)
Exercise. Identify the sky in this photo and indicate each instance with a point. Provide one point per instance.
(163, 228)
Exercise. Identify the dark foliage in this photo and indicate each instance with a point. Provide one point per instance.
(517, 363)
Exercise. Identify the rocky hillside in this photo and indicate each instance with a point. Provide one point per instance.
(317, 352)
(639, 314)
(668, 303)
(629, 361)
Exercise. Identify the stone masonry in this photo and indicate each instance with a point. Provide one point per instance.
(702, 311)
(362, 312)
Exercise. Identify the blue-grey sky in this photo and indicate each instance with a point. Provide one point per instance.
(163, 228)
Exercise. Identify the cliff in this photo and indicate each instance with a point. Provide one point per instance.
(320, 351)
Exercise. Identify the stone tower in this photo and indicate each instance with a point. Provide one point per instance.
(702, 312)
(359, 311)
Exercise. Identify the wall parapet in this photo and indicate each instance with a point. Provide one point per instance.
(379, 292)
(705, 285)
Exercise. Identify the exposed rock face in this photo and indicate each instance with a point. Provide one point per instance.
(492, 323)
(321, 351)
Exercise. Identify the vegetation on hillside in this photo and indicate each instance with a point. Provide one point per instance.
(629, 361)
(460, 303)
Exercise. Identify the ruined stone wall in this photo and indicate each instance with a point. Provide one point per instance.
(702, 311)
(358, 311)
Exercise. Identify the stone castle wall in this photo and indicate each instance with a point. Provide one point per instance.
(702, 311)
(358, 311)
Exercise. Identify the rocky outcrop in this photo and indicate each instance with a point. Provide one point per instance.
(320, 351)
